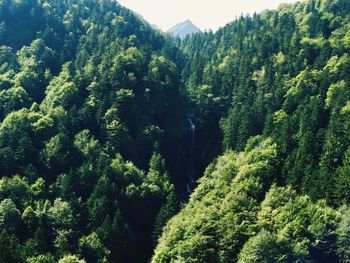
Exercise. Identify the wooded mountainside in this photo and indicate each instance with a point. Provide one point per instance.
(106, 124)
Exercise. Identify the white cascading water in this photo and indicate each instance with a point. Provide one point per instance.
(191, 162)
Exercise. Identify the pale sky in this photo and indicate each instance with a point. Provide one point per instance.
(206, 14)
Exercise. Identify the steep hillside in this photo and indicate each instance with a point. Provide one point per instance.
(238, 214)
(283, 75)
(90, 100)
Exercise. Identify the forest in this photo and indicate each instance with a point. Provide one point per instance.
(119, 143)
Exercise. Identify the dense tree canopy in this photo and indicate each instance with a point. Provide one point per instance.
(283, 75)
(106, 124)
(86, 92)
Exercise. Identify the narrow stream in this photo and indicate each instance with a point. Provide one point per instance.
(191, 171)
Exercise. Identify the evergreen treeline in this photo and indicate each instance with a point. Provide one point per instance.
(283, 75)
(94, 136)
(89, 97)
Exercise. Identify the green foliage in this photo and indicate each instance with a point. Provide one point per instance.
(9, 215)
(264, 247)
(61, 214)
(95, 146)
(87, 67)
(225, 222)
(13, 99)
(16, 188)
(342, 181)
(307, 228)
(47, 258)
(222, 211)
(61, 91)
(86, 143)
(343, 241)
(71, 259)
(92, 248)
(10, 250)
(156, 182)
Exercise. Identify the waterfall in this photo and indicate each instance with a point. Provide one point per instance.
(188, 189)
(191, 159)
(193, 131)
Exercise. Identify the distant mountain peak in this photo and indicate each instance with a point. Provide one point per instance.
(183, 29)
